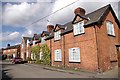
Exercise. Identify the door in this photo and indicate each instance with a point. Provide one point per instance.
(118, 52)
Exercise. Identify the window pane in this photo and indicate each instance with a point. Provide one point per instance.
(78, 28)
(110, 28)
(58, 55)
(74, 55)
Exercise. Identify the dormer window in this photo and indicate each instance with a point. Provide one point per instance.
(34, 43)
(65, 27)
(110, 28)
(28, 43)
(57, 35)
(78, 28)
(43, 39)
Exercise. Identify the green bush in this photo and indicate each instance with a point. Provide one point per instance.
(46, 54)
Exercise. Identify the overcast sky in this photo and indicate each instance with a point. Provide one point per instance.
(18, 15)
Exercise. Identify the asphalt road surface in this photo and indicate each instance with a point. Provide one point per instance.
(10, 70)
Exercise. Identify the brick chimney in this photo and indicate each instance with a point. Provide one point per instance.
(50, 27)
(35, 34)
(80, 11)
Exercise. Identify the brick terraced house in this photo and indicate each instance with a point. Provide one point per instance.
(42, 38)
(87, 42)
(25, 47)
(12, 51)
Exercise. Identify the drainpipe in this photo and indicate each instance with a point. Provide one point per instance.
(64, 48)
(97, 49)
(50, 53)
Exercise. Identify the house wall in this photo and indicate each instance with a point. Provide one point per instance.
(87, 44)
(23, 50)
(106, 44)
(10, 52)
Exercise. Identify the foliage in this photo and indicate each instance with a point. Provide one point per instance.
(46, 54)
(36, 50)
(29, 59)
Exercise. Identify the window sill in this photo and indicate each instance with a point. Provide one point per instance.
(74, 61)
(57, 61)
(57, 40)
(79, 34)
(111, 35)
(113, 61)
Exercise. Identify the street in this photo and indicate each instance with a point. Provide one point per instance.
(25, 71)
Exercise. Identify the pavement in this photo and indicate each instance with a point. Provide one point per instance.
(108, 74)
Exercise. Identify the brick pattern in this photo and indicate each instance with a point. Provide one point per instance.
(97, 49)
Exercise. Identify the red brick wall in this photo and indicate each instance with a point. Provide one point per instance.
(94, 50)
(106, 44)
(87, 44)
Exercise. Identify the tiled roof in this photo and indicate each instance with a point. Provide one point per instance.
(37, 37)
(12, 47)
(27, 38)
(94, 18)
(46, 33)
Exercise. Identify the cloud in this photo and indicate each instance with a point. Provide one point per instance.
(67, 14)
(23, 14)
(8, 36)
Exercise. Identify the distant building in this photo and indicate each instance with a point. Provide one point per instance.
(12, 51)
(25, 53)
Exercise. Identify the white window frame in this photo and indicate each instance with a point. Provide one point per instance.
(22, 46)
(78, 28)
(41, 55)
(34, 43)
(110, 28)
(74, 56)
(57, 55)
(28, 43)
(8, 50)
(43, 40)
(57, 35)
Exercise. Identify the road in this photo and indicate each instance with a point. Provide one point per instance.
(10, 70)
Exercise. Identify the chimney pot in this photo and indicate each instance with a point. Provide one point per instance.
(50, 28)
(80, 11)
(35, 34)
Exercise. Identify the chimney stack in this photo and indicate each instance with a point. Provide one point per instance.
(80, 11)
(50, 28)
(35, 35)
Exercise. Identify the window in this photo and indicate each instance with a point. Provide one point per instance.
(78, 28)
(110, 28)
(27, 54)
(74, 55)
(41, 56)
(28, 43)
(57, 55)
(33, 43)
(8, 50)
(22, 45)
(57, 35)
(43, 39)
